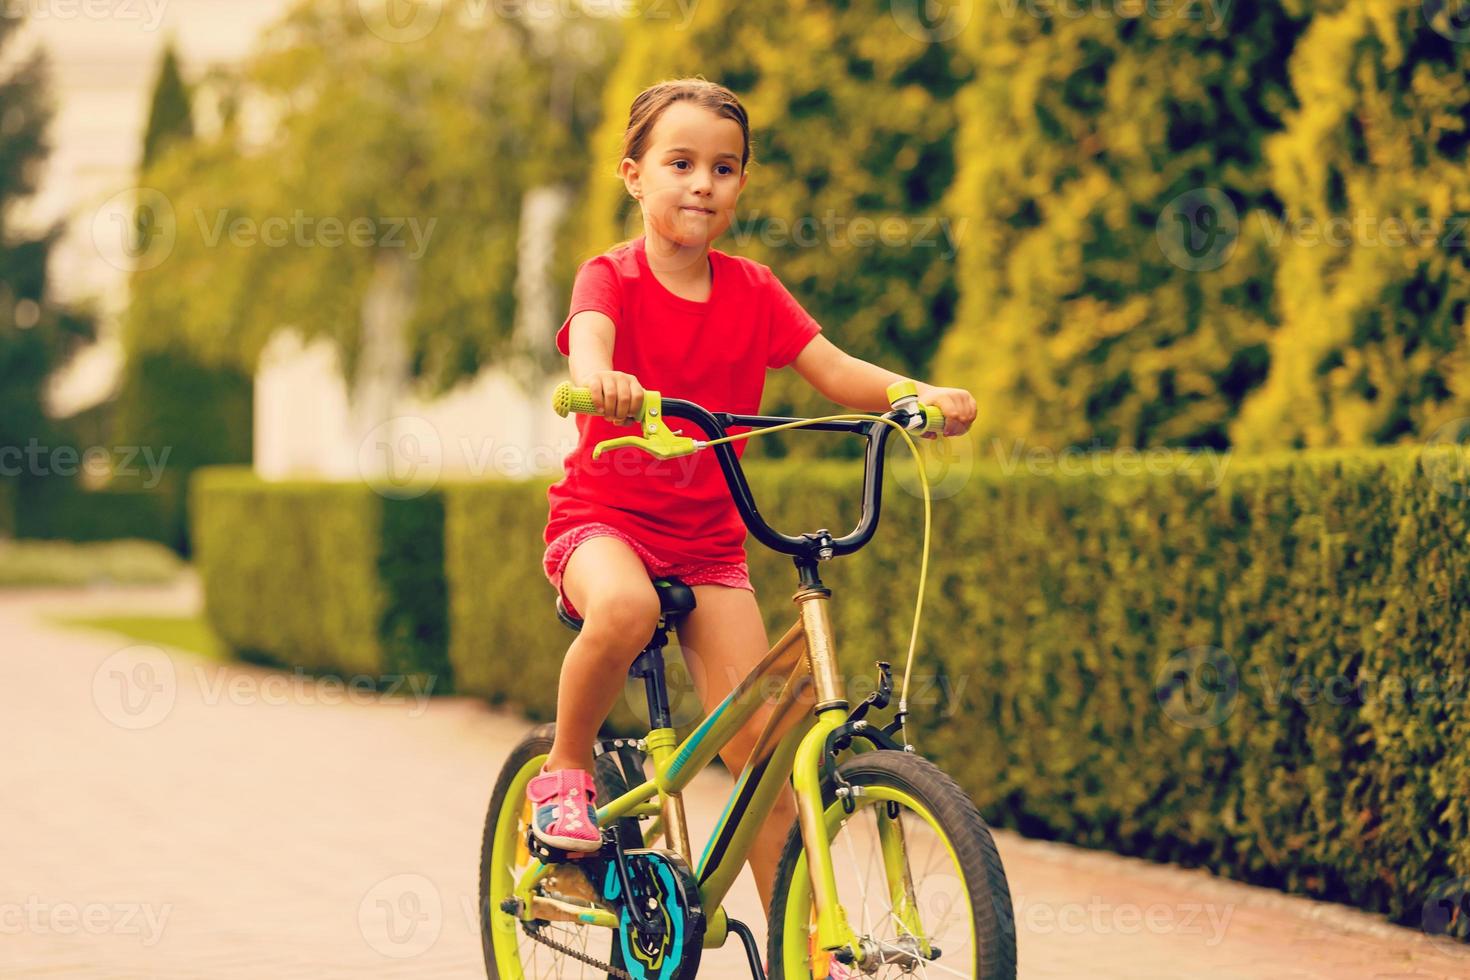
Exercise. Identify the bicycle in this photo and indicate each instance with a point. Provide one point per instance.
(639, 912)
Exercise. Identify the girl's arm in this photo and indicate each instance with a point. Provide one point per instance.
(857, 384)
(617, 395)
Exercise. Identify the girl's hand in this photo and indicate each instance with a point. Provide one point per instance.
(957, 404)
(618, 396)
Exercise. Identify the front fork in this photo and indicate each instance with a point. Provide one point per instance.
(834, 932)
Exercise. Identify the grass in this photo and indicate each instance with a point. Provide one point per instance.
(183, 632)
(37, 564)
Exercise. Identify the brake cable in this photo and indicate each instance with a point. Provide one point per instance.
(924, 557)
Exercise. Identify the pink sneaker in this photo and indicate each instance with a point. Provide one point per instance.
(564, 810)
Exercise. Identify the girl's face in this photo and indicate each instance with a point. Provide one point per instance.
(689, 178)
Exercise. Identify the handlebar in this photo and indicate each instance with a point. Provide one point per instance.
(907, 412)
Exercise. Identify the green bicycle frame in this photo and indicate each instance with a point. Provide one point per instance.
(805, 656)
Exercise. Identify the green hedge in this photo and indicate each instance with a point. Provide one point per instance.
(60, 508)
(1062, 612)
(327, 576)
(7, 508)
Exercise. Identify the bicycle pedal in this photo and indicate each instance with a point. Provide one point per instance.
(547, 854)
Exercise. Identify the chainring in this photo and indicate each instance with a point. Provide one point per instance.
(660, 877)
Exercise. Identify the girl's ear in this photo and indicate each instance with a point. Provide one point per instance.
(628, 170)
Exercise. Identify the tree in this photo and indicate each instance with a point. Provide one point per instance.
(1116, 286)
(36, 333)
(1372, 279)
(384, 168)
(169, 114)
(202, 414)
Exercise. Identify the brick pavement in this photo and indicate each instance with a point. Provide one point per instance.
(170, 817)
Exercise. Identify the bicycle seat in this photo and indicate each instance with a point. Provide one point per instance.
(674, 599)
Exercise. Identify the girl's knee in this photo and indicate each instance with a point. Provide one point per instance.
(627, 611)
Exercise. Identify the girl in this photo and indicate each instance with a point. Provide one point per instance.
(668, 311)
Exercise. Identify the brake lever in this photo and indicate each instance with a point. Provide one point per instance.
(658, 439)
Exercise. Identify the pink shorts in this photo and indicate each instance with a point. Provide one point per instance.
(559, 552)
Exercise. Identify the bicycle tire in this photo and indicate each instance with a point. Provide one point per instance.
(513, 776)
(962, 829)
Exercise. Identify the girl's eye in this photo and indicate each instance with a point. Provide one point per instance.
(723, 169)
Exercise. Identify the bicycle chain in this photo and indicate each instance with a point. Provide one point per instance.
(534, 931)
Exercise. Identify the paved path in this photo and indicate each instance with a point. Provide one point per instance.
(166, 817)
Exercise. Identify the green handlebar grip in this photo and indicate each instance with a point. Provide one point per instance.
(568, 399)
(934, 419)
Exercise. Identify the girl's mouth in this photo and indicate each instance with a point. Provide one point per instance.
(695, 210)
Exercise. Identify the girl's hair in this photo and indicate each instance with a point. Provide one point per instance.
(651, 103)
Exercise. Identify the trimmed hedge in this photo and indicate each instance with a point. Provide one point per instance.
(327, 576)
(60, 508)
(7, 508)
(1149, 664)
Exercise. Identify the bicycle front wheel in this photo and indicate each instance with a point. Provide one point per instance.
(918, 876)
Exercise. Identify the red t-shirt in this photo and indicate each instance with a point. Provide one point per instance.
(715, 354)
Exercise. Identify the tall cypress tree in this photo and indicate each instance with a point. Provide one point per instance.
(202, 415)
(36, 334)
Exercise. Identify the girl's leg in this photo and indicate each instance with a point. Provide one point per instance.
(722, 639)
(610, 588)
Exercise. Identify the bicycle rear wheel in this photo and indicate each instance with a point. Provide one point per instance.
(917, 874)
(510, 953)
